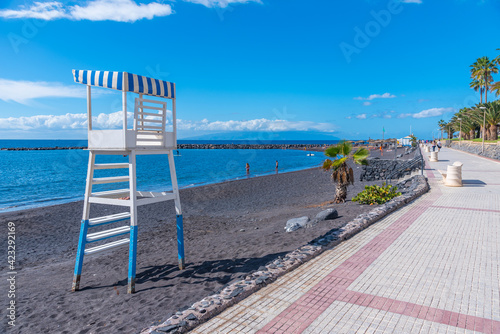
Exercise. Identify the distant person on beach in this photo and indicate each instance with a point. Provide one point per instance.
(276, 165)
(381, 151)
(248, 168)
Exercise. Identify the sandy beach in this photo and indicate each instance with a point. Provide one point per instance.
(231, 228)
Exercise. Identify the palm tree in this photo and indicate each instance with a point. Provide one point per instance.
(342, 174)
(495, 87)
(493, 118)
(477, 85)
(466, 123)
(477, 115)
(483, 69)
(443, 126)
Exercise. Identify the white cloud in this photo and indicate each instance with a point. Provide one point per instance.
(119, 10)
(25, 91)
(62, 122)
(220, 3)
(114, 121)
(366, 103)
(433, 112)
(96, 10)
(254, 125)
(412, 1)
(39, 10)
(361, 116)
(376, 96)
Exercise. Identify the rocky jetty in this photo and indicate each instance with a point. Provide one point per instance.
(42, 148)
(197, 147)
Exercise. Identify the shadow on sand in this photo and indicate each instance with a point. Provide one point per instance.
(220, 271)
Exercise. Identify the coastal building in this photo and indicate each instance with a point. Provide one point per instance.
(405, 141)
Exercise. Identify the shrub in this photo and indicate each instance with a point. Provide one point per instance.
(376, 194)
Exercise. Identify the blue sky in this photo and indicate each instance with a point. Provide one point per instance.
(344, 68)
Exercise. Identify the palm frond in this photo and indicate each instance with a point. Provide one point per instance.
(327, 164)
(345, 147)
(339, 162)
(344, 177)
(361, 154)
(332, 151)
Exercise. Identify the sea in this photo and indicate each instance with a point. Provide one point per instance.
(36, 178)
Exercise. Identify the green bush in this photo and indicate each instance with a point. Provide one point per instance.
(376, 194)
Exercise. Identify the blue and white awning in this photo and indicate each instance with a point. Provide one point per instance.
(126, 82)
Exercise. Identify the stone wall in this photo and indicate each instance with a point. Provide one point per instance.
(379, 169)
(490, 150)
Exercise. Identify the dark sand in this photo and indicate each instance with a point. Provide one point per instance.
(217, 252)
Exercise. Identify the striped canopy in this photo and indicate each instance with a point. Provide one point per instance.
(126, 82)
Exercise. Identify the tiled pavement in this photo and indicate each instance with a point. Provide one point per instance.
(430, 267)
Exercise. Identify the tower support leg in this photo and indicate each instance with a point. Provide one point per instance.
(85, 224)
(132, 259)
(180, 242)
(178, 210)
(132, 254)
(79, 255)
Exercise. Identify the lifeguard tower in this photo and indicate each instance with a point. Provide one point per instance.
(148, 135)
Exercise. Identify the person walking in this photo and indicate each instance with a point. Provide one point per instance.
(433, 146)
(247, 168)
(439, 145)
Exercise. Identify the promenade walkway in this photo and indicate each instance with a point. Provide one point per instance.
(430, 267)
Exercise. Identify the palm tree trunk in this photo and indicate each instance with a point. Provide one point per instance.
(493, 132)
(481, 90)
(340, 192)
(472, 134)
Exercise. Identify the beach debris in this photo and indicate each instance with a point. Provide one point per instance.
(327, 214)
(296, 223)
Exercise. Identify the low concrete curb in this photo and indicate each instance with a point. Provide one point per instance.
(213, 305)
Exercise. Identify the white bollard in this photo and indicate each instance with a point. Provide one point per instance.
(434, 157)
(453, 176)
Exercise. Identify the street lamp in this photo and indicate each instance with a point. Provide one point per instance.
(484, 127)
(460, 142)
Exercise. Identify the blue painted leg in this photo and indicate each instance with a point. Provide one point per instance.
(132, 255)
(79, 255)
(180, 241)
